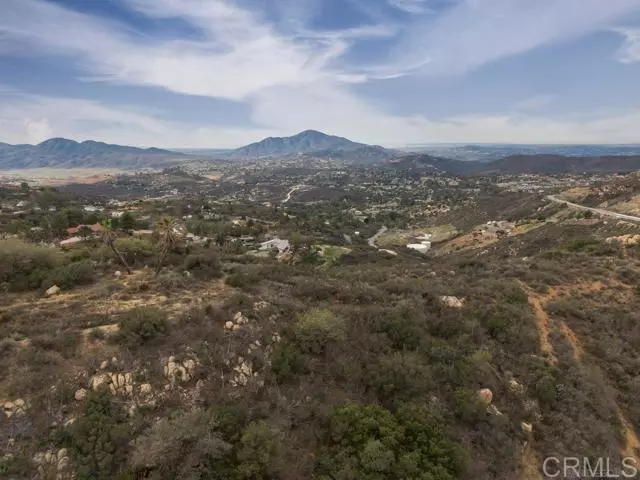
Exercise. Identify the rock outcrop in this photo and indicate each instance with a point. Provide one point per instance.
(239, 320)
(18, 408)
(177, 371)
(486, 396)
(52, 464)
(118, 383)
(452, 302)
(55, 290)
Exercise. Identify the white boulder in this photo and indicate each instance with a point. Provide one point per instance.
(55, 290)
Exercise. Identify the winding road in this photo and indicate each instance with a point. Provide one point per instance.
(599, 211)
(372, 240)
(288, 197)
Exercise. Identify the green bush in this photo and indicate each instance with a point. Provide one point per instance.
(591, 246)
(66, 343)
(78, 254)
(141, 326)
(399, 376)
(546, 391)
(171, 280)
(205, 265)
(136, 251)
(24, 266)
(68, 276)
(371, 443)
(317, 328)
(244, 279)
(287, 362)
(259, 453)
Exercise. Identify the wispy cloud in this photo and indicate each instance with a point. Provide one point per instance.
(32, 118)
(476, 32)
(239, 55)
(291, 74)
(535, 102)
(410, 6)
(27, 118)
(629, 52)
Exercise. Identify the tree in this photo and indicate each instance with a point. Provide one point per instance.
(169, 232)
(371, 443)
(258, 454)
(127, 222)
(109, 236)
(84, 231)
(99, 438)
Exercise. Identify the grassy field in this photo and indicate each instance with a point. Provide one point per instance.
(58, 176)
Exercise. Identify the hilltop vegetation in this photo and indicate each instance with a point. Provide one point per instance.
(320, 355)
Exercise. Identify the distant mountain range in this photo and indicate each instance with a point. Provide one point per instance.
(311, 142)
(490, 152)
(63, 153)
(518, 164)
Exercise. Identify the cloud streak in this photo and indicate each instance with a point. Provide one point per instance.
(629, 52)
(477, 32)
(294, 75)
(26, 118)
(410, 6)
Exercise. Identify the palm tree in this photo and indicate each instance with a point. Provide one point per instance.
(169, 232)
(109, 236)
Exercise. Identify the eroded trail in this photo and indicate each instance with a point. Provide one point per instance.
(544, 324)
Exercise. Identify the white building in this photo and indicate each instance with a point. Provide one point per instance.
(422, 247)
(276, 244)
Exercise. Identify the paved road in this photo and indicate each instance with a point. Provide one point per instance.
(599, 211)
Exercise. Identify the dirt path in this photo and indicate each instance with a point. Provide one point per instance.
(632, 443)
(538, 302)
(542, 323)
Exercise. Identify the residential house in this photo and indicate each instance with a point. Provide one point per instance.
(276, 244)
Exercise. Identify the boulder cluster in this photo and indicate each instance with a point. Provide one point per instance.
(239, 320)
(485, 396)
(177, 371)
(18, 407)
(52, 464)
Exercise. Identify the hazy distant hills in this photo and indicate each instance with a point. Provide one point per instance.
(518, 164)
(428, 163)
(491, 152)
(311, 142)
(551, 164)
(63, 153)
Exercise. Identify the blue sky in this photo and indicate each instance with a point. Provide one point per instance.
(222, 73)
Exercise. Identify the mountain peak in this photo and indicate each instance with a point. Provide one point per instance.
(57, 141)
(307, 133)
(307, 142)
